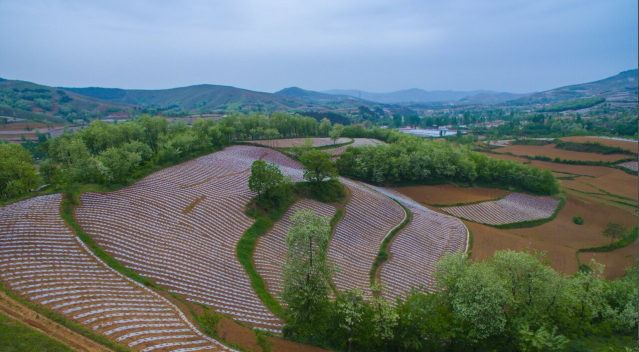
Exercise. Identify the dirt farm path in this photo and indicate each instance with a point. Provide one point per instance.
(52, 329)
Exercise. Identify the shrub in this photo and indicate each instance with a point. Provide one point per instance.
(578, 220)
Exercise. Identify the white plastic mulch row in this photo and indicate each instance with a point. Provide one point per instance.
(270, 251)
(417, 247)
(632, 165)
(43, 261)
(180, 227)
(515, 207)
(368, 218)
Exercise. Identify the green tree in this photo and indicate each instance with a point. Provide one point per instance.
(317, 166)
(384, 317)
(351, 308)
(306, 273)
(614, 232)
(336, 132)
(17, 175)
(325, 126)
(265, 177)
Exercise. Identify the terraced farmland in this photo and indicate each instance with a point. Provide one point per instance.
(270, 252)
(368, 218)
(515, 207)
(357, 142)
(418, 246)
(180, 227)
(43, 261)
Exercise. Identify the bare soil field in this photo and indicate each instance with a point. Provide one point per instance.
(563, 230)
(632, 146)
(557, 167)
(617, 182)
(550, 151)
(616, 261)
(488, 239)
(22, 126)
(449, 194)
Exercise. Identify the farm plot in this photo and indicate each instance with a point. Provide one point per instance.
(368, 218)
(358, 142)
(515, 207)
(632, 165)
(552, 152)
(416, 249)
(43, 261)
(292, 142)
(270, 251)
(180, 227)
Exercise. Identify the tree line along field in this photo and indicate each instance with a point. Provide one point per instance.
(179, 227)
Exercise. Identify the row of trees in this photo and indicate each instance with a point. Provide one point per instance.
(112, 153)
(511, 301)
(276, 125)
(412, 159)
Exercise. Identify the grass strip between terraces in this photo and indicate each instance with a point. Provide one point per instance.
(16, 336)
(68, 206)
(382, 256)
(246, 247)
(527, 223)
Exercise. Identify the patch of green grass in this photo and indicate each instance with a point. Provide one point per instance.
(15, 336)
(382, 256)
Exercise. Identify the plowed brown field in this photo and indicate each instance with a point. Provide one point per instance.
(632, 146)
(550, 151)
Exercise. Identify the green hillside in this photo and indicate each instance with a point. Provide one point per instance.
(37, 102)
(619, 87)
(204, 97)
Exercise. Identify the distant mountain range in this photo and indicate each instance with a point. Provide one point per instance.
(34, 101)
(422, 96)
(619, 87)
(204, 96)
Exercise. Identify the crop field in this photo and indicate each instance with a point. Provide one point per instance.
(552, 152)
(292, 142)
(632, 165)
(43, 261)
(449, 194)
(619, 143)
(515, 207)
(270, 252)
(190, 253)
(417, 247)
(357, 142)
(368, 218)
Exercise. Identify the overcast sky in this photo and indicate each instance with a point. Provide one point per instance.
(373, 45)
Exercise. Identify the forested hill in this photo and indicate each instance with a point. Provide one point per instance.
(312, 96)
(204, 96)
(619, 87)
